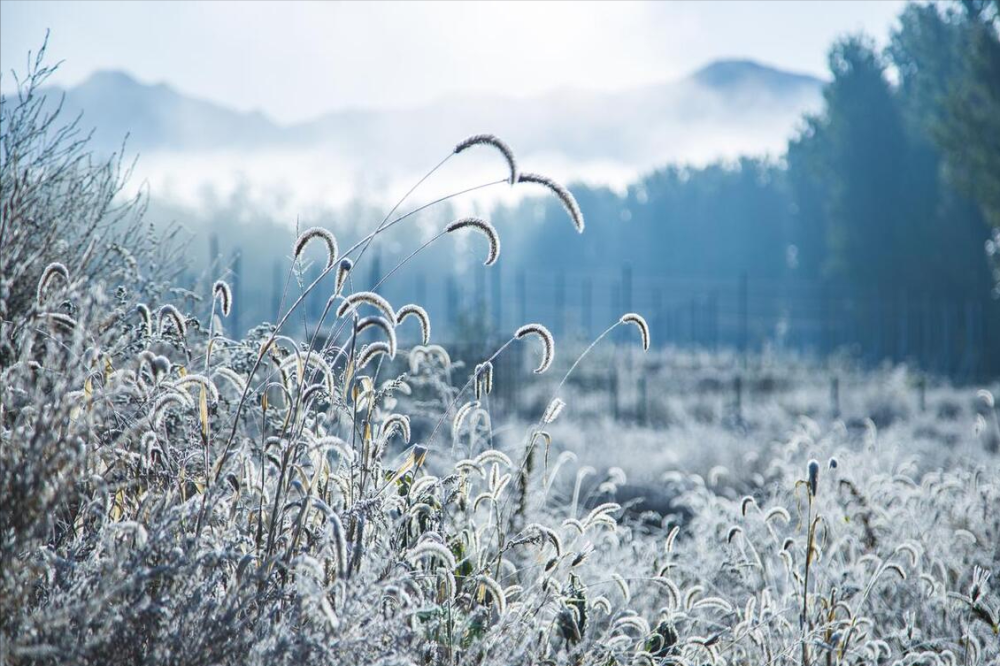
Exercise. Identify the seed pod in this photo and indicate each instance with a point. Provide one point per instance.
(309, 235)
(813, 476)
(169, 312)
(640, 323)
(222, 292)
(486, 229)
(413, 310)
(548, 343)
(491, 140)
(378, 302)
(51, 271)
(567, 199)
(342, 271)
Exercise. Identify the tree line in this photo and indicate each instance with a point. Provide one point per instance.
(893, 186)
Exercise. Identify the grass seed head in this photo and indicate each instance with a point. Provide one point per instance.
(328, 239)
(495, 142)
(640, 323)
(484, 228)
(224, 295)
(548, 343)
(55, 269)
(813, 479)
(413, 310)
(564, 195)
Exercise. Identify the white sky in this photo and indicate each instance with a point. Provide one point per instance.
(294, 61)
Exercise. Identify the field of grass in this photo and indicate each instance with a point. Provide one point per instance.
(171, 494)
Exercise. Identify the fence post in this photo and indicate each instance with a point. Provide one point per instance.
(560, 318)
(452, 296)
(522, 298)
(644, 399)
(626, 290)
(714, 315)
(213, 261)
(213, 255)
(276, 286)
(744, 317)
(826, 331)
(421, 288)
(658, 314)
(738, 386)
(497, 298)
(480, 303)
(904, 323)
(835, 396)
(236, 307)
(613, 388)
(312, 304)
(946, 346)
(693, 307)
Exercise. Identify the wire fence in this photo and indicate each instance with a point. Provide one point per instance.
(751, 315)
(959, 339)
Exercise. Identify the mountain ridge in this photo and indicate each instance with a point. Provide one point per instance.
(724, 110)
(158, 116)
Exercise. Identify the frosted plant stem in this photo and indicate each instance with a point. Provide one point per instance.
(555, 394)
(382, 226)
(458, 395)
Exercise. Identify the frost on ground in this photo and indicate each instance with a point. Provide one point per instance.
(172, 494)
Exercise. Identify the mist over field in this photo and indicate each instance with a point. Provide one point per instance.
(723, 110)
(492, 333)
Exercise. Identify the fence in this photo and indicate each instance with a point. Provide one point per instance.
(746, 313)
(752, 315)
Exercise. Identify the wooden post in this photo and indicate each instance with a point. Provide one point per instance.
(616, 309)
(213, 256)
(626, 290)
(497, 297)
(613, 386)
(826, 327)
(375, 273)
(738, 386)
(452, 296)
(693, 308)
(277, 283)
(560, 313)
(714, 314)
(744, 298)
(835, 396)
(643, 399)
(522, 298)
(480, 292)
(213, 263)
(312, 302)
(421, 289)
(946, 345)
(235, 285)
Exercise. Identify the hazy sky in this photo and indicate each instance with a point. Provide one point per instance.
(296, 60)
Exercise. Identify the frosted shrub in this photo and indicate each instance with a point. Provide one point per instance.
(171, 494)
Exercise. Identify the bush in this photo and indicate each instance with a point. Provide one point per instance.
(173, 495)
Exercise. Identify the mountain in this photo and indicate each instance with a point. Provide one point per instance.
(738, 101)
(737, 74)
(723, 110)
(156, 117)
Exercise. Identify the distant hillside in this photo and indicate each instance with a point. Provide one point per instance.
(723, 110)
(729, 95)
(157, 117)
(734, 74)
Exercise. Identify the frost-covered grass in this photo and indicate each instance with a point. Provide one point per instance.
(173, 494)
